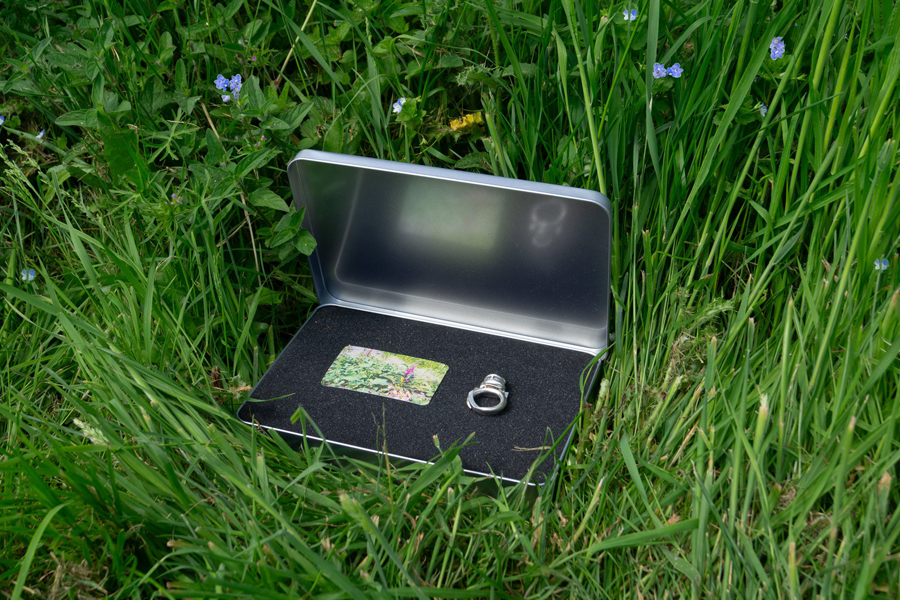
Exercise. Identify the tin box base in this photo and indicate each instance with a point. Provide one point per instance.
(542, 380)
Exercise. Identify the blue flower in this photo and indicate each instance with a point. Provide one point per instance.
(675, 70)
(226, 98)
(2, 119)
(776, 48)
(881, 264)
(27, 274)
(221, 83)
(176, 199)
(398, 105)
(235, 84)
(659, 70)
(763, 109)
(40, 135)
(630, 16)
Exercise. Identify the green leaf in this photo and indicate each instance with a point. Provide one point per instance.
(81, 118)
(123, 106)
(256, 99)
(285, 235)
(273, 123)
(384, 47)
(214, 147)
(233, 7)
(292, 220)
(119, 150)
(185, 103)
(40, 47)
(527, 70)
(25, 564)
(253, 161)
(682, 565)
(311, 47)
(450, 61)
(475, 160)
(305, 242)
(181, 75)
(295, 116)
(641, 538)
(409, 113)
(628, 456)
(334, 138)
(268, 296)
(398, 24)
(268, 199)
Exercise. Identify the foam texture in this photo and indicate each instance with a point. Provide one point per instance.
(543, 385)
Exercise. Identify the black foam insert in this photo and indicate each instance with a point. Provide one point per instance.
(543, 385)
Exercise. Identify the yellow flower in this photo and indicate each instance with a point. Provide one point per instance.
(466, 121)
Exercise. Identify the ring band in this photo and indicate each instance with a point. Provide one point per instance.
(492, 385)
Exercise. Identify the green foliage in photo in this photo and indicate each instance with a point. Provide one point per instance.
(385, 374)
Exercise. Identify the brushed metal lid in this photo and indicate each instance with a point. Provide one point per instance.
(503, 256)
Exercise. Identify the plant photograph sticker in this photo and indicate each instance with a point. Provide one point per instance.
(385, 374)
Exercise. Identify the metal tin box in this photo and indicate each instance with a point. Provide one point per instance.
(484, 274)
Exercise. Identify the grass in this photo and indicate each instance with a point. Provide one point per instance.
(744, 441)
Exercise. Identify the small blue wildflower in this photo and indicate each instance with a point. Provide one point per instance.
(398, 105)
(675, 70)
(630, 16)
(2, 119)
(27, 274)
(659, 70)
(763, 109)
(221, 83)
(235, 84)
(226, 98)
(40, 135)
(776, 48)
(881, 264)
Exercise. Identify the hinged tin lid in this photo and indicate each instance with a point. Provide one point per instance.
(514, 258)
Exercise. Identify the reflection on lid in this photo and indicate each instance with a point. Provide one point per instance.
(465, 228)
(547, 221)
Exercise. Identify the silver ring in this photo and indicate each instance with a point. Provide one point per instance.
(492, 385)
